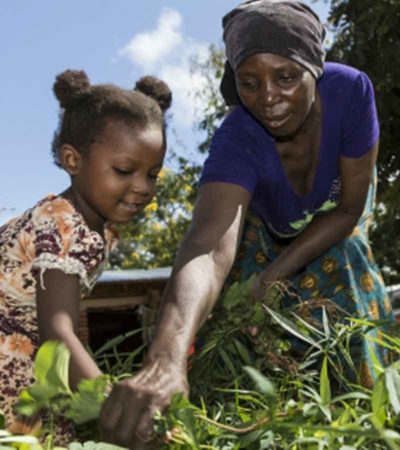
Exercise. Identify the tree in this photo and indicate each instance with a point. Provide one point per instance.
(367, 36)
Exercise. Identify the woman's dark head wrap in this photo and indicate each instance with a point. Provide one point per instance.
(282, 27)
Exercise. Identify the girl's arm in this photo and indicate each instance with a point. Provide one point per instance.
(326, 230)
(203, 262)
(58, 314)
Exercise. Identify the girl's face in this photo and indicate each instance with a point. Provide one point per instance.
(277, 91)
(116, 179)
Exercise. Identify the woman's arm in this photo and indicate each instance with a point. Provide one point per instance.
(326, 230)
(58, 314)
(202, 264)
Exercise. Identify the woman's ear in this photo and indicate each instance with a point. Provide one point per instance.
(70, 159)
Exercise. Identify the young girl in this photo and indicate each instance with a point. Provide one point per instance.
(111, 142)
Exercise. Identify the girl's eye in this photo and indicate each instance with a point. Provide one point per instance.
(154, 176)
(121, 171)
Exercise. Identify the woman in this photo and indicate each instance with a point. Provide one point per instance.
(289, 179)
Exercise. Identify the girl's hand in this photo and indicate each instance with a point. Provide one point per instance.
(127, 414)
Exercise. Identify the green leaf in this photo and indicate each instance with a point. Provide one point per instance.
(392, 378)
(86, 403)
(325, 323)
(379, 400)
(110, 344)
(52, 366)
(325, 387)
(262, 383)
(183, 410)
(243, 352)
(228, 362)
(27, 405)
(291, 327)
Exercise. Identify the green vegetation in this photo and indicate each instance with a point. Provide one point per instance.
(248, 390)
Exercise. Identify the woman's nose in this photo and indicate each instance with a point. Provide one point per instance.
(269, 93)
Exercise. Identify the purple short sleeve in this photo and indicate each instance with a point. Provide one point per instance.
(360, 127)
(230, 160)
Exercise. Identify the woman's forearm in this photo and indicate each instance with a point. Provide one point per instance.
(204, 260)
(322, 233)
(188, 300)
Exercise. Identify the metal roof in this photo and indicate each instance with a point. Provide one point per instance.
(120, 276)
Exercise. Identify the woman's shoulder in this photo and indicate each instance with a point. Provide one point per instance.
(239, 126)
(339, 76)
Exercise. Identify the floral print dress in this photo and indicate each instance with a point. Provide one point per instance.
(51, 235)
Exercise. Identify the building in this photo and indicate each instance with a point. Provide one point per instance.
(126, 300)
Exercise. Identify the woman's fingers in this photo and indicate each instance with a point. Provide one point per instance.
(144, 430)
(119, 415)
(127, 414)
(110, 415)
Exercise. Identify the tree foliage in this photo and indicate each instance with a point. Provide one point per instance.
(366, 36)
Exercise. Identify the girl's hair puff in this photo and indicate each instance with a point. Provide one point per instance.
(87, 109)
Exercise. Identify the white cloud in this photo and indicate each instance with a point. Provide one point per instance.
(167, 53)
(146, 49)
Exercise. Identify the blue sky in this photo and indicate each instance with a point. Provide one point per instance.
(114, 41)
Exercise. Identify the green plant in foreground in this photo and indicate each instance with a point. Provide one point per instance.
(249, 403)
(51, 393)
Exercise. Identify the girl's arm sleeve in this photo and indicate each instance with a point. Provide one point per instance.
(67, 244)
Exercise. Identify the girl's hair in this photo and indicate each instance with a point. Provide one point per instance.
(86, 109)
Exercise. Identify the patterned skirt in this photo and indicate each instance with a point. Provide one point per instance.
(347, 275)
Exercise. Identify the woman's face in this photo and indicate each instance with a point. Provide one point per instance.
(277, 91)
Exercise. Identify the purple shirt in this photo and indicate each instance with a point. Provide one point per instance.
(243, 152)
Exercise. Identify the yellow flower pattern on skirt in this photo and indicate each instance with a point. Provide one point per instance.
(347, 274)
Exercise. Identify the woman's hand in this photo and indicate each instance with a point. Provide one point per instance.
(127, 415)
(262, 283)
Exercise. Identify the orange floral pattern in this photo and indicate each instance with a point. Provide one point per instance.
(52, 234)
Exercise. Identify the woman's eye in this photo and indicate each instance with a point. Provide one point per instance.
(286, 78)
(247, 84)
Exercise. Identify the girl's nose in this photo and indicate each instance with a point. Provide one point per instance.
(141, 185)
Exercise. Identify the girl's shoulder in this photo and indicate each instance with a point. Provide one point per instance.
(25, 221)
(52, 215)
(58, 212)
